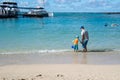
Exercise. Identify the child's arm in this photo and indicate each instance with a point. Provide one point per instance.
(73, 41)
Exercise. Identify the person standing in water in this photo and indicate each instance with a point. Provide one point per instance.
(75, 42)
(85, 38)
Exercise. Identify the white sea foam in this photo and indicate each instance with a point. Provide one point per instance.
(53, 51)
(36, 51)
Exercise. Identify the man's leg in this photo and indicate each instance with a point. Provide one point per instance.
(85, 46)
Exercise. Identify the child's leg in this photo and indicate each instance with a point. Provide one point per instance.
(77, 47)
(74, 48)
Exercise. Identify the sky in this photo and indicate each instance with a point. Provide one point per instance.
(72, 5)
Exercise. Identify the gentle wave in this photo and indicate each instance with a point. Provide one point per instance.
(36, 51)
(102, 50)
(54, 51)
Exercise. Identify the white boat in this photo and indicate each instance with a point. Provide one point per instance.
(8, 10)
(36, 13)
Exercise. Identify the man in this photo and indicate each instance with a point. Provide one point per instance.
(85, 38)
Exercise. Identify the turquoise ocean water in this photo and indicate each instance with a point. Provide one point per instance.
(55, 34)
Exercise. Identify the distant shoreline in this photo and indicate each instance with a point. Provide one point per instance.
(112, 12)
(92, 12)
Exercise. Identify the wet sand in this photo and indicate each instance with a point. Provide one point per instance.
(97, 58)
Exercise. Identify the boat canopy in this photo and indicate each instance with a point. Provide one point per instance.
(14, 3)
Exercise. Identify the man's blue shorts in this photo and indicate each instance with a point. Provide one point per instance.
(84, 44)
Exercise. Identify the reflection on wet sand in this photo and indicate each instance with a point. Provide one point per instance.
(75, 58)
(82, 59)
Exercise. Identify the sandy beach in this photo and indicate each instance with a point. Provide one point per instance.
(63, 66)
(60, 72)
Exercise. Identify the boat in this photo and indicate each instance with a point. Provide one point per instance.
(9, 10)
(36, 13)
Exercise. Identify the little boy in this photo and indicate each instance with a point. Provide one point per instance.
(75, 42)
